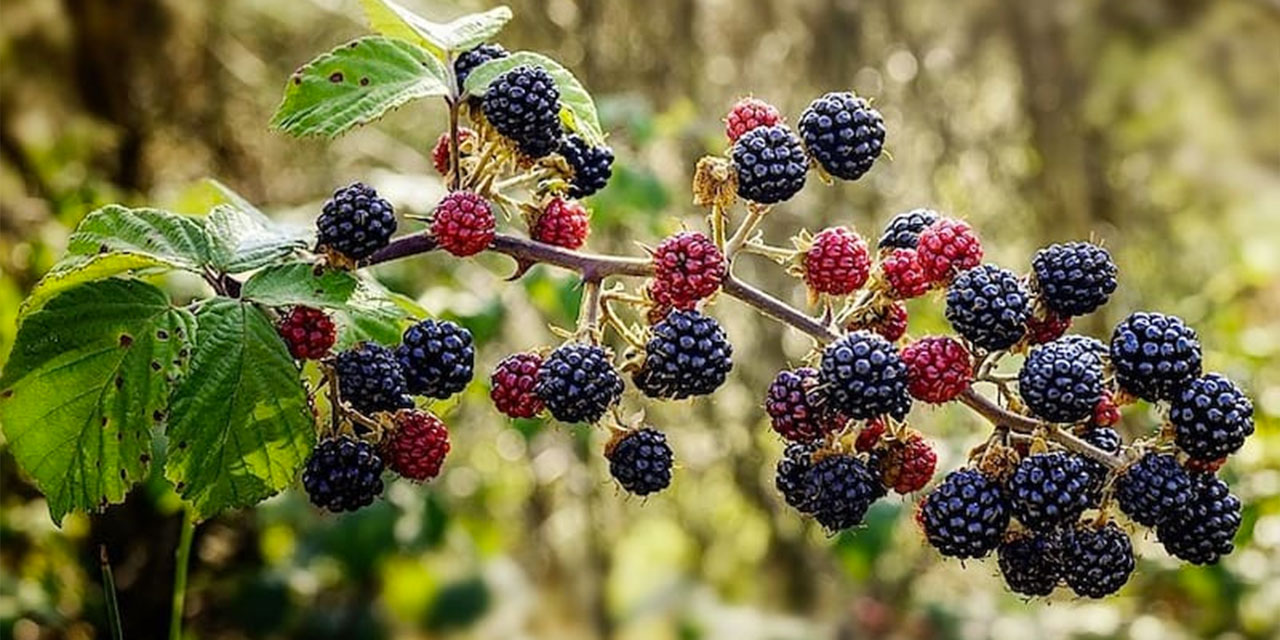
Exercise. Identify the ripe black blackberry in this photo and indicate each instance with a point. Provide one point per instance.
(343, 474)
(370, 379)
(355, 222)
(843, 133)
(1074, 278)
(1048, 490)
(1108, 440)
(792, 477)
(903, 231)
(1091, 346)
(437, 357)
(1154, 488)
(988, 306)
(1029, 563)
(966, 515)
(687, 355)
(1096, 561)
(592, 166)
(640, 461)
(770, 163)
(578, 383)
(1203, 532)
(843, 488)
(1211, 417)
(1061, 382)
(865, 377)
(523, 104)
(1154, 355)
(474, 57)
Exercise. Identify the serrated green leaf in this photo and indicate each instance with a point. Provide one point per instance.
(240, 428)
(391, 19)
(70, 273)
(375, 314)
(300, 283)
(88, 379)
(578, 109)
(357, 83)
(242, 240)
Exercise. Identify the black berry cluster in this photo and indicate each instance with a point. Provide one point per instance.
(842, 488)
(1049, 490)
(437, 358)
(523, 105)
(640, 461)
(1061, 382)
(1074, 278)
(1212, 417)
(1153, 488)
(843, 133)
(865, 377)
(355, 222)
(988, 306)
(687, 355)
(474, 57)
(578, 382)
(1030, 563)
(1203, 531)
(792, 477)
(343, 474)
(965, 516)
(592, 166)
(1096, 561)
(903, 230)
(770, 163)
(1154, 355)
(370, 379)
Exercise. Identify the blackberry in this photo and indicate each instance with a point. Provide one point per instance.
(355, 222)
(747, 114)
(592, 166)
(907, 466)
(1154, 355)
(843, 133)
(1203, 531)
(523, 105)
(1108, 440)
(904, 276)
(770, 163)
(837, 263)
(797, 406)
(903, 231)
(843, 489)
(578, 383)
(988, 306)
(946, 248)
(370, 379)
(865, 377)
(1048, 490)
(463, 223)
(437, 357)
(1061, 382)
(687, 267)
(1074, 278)
(343, 474)
(939, 368)
(417, 447)
(792, 477)
(1029, 563)
(1153, 489)
(1096, 561)
(966, 515)
(687, 355)
(563, 223)
(640, 461)
(1046, 328)
(512, 385)
(474, 57)
(1211, 417)
(308, 332)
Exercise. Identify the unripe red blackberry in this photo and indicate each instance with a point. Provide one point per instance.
(578, 382)
(442, 154)
(563, 223)
(1096, 561)
(869, 436)
(689, 266)
(1049, 490)
(1046, 328)
(939, 368)
(1154, 355)
(843, 133)
(343, 474)
(770, 163)
(1211, 417)
(865, 377)
(903, 231)
(908, 466)
(904, 275)
(948, 247)
(1195, 465)
(1029, 563)
(687, 354)
(463, 224)
(1204, 531)
(837, 263)
(843, 489)
(523, 105)
(1074, 278)
(1153, 489)
(513, 385)
(661, 304)
(965, 516)
(1105, 413)
(417, 446)
(355, 222)
(308, 332)
(797, 407)
(640, 461)
(747, 114)
(988, 306)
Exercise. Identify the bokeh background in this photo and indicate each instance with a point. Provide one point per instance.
(1150, 125)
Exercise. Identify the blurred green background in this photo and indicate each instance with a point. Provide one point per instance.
(1150, 125)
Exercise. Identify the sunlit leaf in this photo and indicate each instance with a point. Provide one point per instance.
(300, 283)
(242, 240)
(391, 19)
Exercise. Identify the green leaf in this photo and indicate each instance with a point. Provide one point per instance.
(578, 109)
(89, 377)
(246, 240)
(375, 314)
(356, 84)
(392, 19)
(241, 428)
(116, 239)
(299, 283)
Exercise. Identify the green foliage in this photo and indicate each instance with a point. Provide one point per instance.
(579, 109)
(244, 239)
(391, 19)
(241, 427)
(89, 378)
(356, 84)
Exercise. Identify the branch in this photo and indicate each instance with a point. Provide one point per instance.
(777, 309)
(997, 415)
(527, 252)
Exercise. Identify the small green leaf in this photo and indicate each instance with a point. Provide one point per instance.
(375, 314)
(391, 19)
(357, 83)
(246, 240)
(299, 283)
(579, 110)
(240, 429)
(116, 239)
(89, 377)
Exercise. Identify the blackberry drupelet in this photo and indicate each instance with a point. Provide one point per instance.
(355, 222)
(523, 105)
(1029, 564)
(1096, 561)
(988, 306)
(1153, 489)
(1211, 417)
(843, 133)
(370, 379)
(903, 231)
(1048, 490)
(592, 166)
(640, 461)
(865, 377)
(1203, 532)
(1154, 355)
(687, 355)
(578, 383)
(437, 357)
(792, 477)
(343, 474)
(843, 488)
(966, 515)
(1074, 278)
(770, 163)
(1061, 382)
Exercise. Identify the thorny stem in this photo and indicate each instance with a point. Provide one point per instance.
(755, 213)
(454, 154)
(589, 310)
